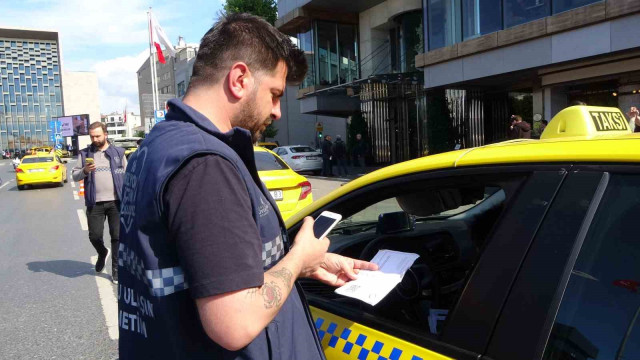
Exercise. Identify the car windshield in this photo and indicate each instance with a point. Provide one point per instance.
(299, 149)
(34, 160)
(265, 162)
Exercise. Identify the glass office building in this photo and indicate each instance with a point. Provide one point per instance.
(30, 87)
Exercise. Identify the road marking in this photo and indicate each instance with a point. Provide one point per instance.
(75, 195)
(73, 184)
(5, 184)
(3, 164)
(83, 220)
(109, 303)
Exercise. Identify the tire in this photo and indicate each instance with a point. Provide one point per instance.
(66, 179)
(20, 187)
(317, 172)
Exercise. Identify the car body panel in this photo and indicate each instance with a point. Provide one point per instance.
(595, 146)
(344, 339)
(40, 173)
(287, 181)
(301, 164)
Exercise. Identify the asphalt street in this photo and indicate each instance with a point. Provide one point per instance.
(53, 305)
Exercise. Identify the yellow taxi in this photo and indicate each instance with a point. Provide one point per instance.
(268, 144)
(41, 149)
(41, 169)
(527, 249)
(291, 191)
(129, 144)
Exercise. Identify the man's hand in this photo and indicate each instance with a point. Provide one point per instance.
(89, 167)
(337, 270)
(308, 250)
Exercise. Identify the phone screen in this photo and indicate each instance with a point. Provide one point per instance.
(321, 224)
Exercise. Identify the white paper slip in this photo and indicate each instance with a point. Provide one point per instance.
(373, 286)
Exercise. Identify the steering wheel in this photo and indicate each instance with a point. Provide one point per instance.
(415, 281)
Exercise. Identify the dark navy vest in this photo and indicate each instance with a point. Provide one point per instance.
(157, 317)
(115, 156)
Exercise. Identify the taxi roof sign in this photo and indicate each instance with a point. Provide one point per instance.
(587, 122)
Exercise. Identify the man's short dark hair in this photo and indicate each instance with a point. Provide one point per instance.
(98, 124)
(249, 39)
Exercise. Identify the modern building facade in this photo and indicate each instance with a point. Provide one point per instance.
(427, 76)
(81, 94)
(30, 87)
(488, 59)
(117, 126)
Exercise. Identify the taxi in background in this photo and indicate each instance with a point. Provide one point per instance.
(41, 149)
(40, 169)
(291, 191)
(268, 144)
(528, 249)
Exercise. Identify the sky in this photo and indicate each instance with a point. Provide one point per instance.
(111, 37)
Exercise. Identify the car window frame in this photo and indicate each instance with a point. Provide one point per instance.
(462, 347)
(525, 325)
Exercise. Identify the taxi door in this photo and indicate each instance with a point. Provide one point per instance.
(355, 331)
(576, 296)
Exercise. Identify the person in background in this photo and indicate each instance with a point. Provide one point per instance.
(359, 151)
(340, 155)
(634, 119)
(103, 180)
(327, 153)
(519, 129)
(543, 125)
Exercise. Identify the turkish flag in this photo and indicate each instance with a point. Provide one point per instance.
(158, 37)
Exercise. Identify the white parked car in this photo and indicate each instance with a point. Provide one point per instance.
(301, 157)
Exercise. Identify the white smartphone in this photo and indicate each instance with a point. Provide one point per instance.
(324, 223)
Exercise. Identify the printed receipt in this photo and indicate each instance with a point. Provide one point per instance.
(373, 286)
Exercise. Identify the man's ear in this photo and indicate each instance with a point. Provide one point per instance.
(240, 80)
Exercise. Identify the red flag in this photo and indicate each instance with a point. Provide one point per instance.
(158, 37)
(125, 114)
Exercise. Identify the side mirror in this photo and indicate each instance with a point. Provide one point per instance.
(65, 161)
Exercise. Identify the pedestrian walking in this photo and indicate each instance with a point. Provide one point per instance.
(207, 270)
(634, 118)
(327, 156)
(359, 151)
(102, 168)
(340, 155)
(519, 129)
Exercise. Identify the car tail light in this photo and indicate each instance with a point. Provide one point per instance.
(305, 190)
(295, 157)
(54, 168)
(18, 170)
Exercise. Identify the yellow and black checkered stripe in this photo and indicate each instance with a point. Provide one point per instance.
(344, 339)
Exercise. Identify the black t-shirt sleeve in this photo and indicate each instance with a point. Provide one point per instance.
(210, 219)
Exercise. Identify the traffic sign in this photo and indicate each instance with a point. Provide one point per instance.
(319, 126)
(58, 146)
(51, 138)
(159, 115)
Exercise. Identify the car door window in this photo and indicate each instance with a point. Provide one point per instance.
(599, 316)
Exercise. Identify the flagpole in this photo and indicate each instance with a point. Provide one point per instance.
(152, 64)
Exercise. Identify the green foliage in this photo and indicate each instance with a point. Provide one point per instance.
(266, 9)
(139, 133)
(270, 132)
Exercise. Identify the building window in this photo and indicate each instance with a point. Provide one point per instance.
(305, 43)
(406, 41)
(181, 88)
(518, 12)
(564, 5)
(480, 17)
(327, 53)
(444, 23)
(348, 52)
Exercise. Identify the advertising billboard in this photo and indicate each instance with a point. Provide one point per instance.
(74, 125)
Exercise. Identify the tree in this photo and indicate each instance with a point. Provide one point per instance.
(266, 9)
(139, 133)
(270, 132)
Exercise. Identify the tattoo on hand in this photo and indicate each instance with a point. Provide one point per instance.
(272, 295)
(284, 274)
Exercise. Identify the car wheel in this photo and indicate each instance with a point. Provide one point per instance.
(317, 172)
(66, 179)
(20, 187)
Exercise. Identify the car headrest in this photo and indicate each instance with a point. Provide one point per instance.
(436, 201)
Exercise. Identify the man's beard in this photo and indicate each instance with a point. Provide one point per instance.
(248, 118)
(99, 144)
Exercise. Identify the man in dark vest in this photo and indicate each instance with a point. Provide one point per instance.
(207, 270)
(103, 177)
